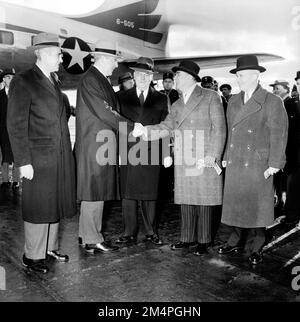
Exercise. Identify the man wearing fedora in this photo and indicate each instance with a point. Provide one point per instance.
(197, 121)
(168, 84)
(255, 151)
(293, 182)
(7, 156)
(96, 115)
(281, 88)
(40, 141)
(125, 81)
(139, 182)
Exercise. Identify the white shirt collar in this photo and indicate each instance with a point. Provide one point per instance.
(6, 90)
(186, 95)
(145, 93)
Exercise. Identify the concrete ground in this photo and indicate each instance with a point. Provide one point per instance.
(143, 272)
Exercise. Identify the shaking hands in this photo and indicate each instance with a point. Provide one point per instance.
(139, 130)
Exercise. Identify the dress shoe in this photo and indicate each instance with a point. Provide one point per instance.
(80, 242)
(181, 245)
(154, 239)
(100, 247)
(228, 249)
(126, 240)
(57, 256)
(255, 258)
(201, 250)
(35, 265)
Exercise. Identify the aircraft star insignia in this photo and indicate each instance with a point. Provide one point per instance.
(77, 55)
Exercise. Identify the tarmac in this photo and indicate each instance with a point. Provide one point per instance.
(143, 272)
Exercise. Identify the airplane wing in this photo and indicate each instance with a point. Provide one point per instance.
(165, 64)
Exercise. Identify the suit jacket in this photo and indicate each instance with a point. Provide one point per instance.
(39, 136)
(97, 125)
(257, 137)
(140, 181)
(199, 130)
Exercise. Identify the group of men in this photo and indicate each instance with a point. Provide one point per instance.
(115, 148)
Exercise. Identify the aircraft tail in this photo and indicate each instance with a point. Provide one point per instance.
(139, 19)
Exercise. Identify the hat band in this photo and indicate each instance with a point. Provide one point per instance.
(47, 44)
(108, 51)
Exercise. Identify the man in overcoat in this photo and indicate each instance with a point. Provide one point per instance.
(97, 125)
(40, 141)
(197, 122)
(7, 156)
(139, 182)
(293, 183)
(255, 151)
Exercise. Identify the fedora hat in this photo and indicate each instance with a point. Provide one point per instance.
(144, 64)
(298, 75)
(8, 71)
(108, 48)
(189, 67)
(280, 82)
(247, 62)
(4, 72)
(225, 86)
(207, 80)
(168, 75)
(124, 77)
(44, 40)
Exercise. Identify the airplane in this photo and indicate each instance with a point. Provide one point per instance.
(140, 28)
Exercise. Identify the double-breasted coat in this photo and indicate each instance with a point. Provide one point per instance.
(97, 125)
(39, 135)
(199, 130)
(7, 155)
(140, 181)
(257, 137)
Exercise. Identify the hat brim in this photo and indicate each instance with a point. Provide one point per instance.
(124, 80)
(42, 46)
(177, 68)
(296, 78)
(259, 68)
(143, 70)
(119, 57)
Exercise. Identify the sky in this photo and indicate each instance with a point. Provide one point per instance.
(220, 27)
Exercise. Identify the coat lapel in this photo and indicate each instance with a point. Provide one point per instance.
(44, 81)
(253, 105)
(194, 100)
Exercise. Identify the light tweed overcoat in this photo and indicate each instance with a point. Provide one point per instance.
(201, 117)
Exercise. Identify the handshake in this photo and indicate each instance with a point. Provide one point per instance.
(139, 130)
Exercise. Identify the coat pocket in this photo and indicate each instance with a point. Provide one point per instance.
(262, 154)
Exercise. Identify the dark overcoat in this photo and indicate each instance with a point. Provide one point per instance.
(7, 155)
(141, 181)
(199, 130)
(39, 136)
(257, 137)
(97, 125)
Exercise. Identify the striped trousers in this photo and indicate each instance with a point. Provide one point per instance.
(196, 224)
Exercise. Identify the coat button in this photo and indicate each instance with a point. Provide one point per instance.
(233, 129)
(229, 162)
(248, 147)
(231, 145)
(250, 131)
(246, 165)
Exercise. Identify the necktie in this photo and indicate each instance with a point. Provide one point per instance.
(141, 98)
